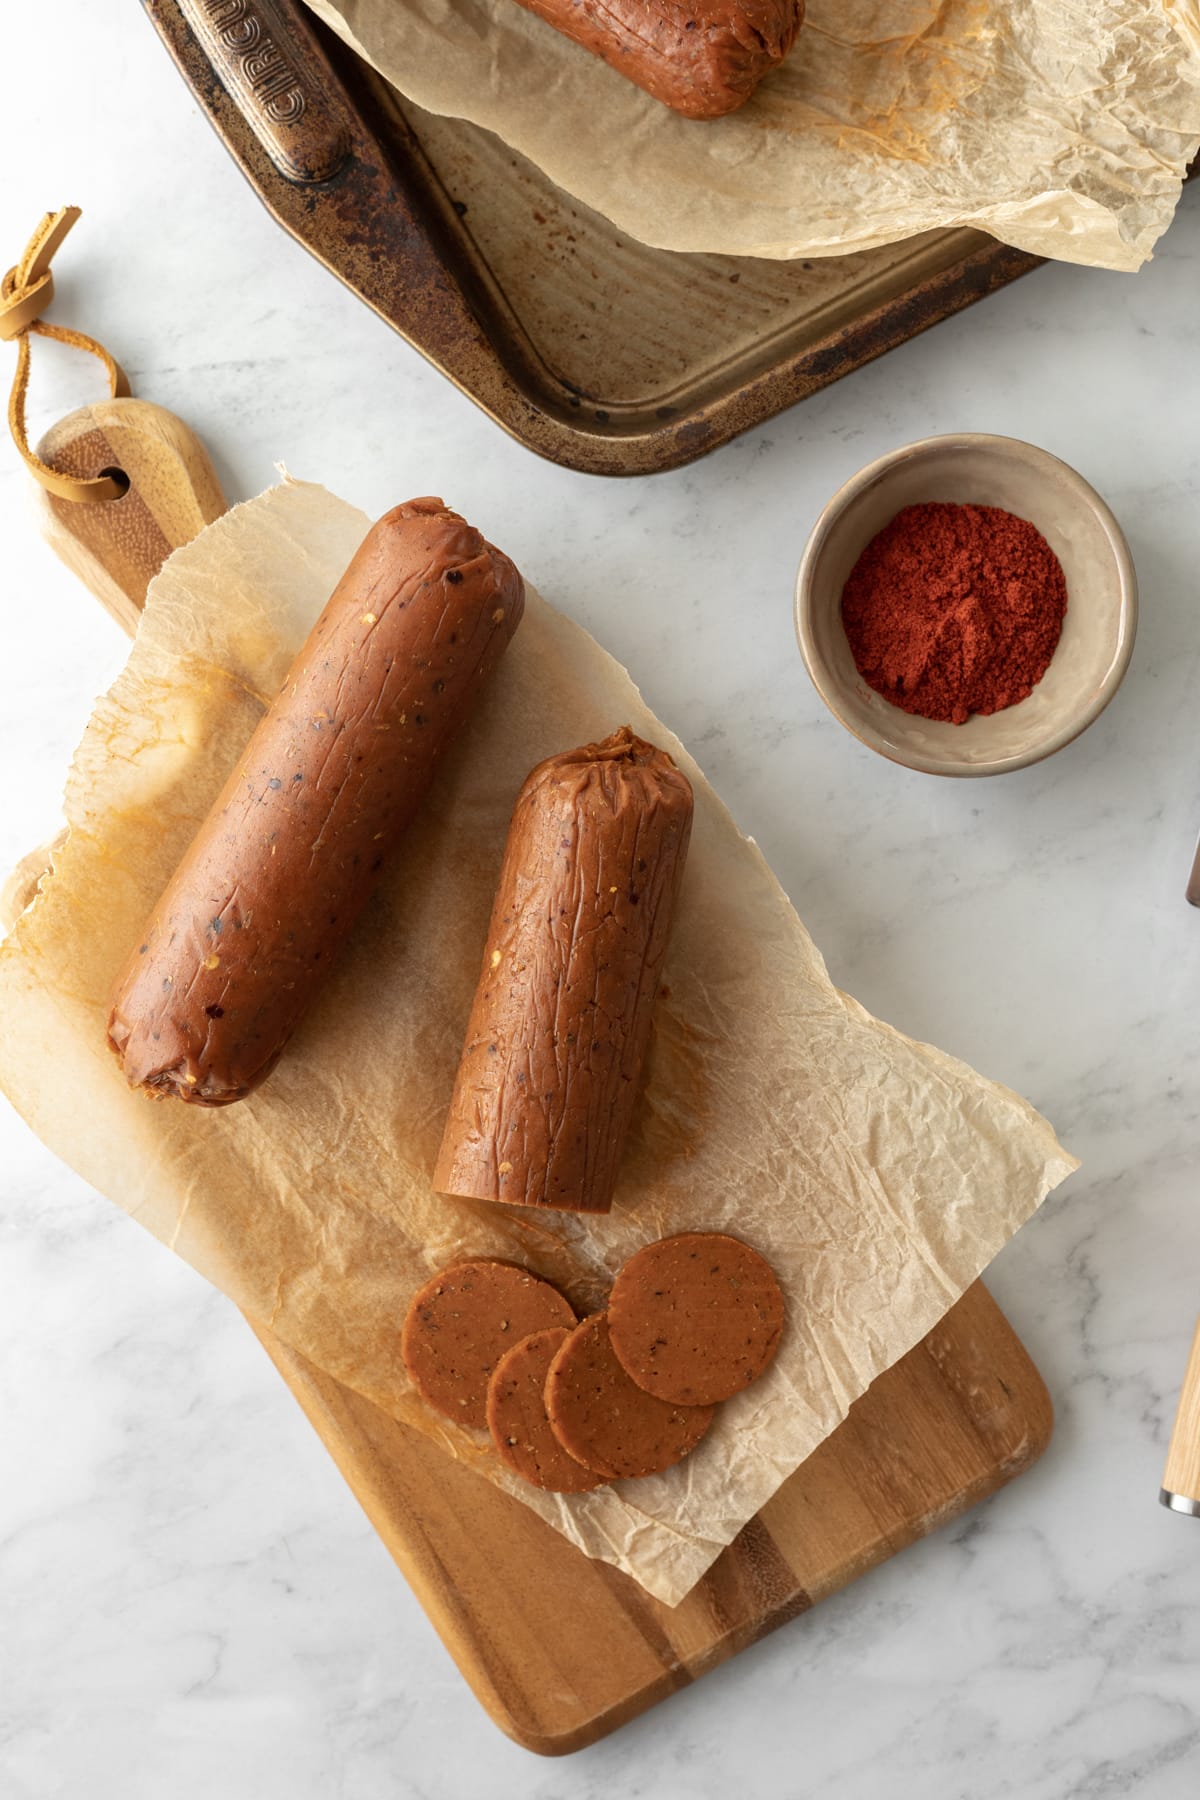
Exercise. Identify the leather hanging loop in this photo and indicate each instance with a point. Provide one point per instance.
(25, 293)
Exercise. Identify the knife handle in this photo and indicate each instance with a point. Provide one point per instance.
(1181, 1478)
(1193, 886)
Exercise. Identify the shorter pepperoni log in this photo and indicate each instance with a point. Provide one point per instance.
(606, 1421)
(561, 1020)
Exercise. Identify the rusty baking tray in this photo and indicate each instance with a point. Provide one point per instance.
(588, 347)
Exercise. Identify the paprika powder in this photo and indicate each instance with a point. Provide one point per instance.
(953, 610)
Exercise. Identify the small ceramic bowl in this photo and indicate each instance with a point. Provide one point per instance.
(1097, 637)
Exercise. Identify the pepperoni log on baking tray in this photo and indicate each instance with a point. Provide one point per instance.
(702, 58)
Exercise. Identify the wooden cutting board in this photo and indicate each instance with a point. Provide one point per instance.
(561, 1650)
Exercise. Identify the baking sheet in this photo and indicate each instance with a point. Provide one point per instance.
(878, 1175)
(1062, 127)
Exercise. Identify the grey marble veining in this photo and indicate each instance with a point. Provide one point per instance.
(190, 1601)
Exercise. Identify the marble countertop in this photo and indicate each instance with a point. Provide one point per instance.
(192, 1602)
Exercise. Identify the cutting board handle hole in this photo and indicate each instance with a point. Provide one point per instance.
(121, 479)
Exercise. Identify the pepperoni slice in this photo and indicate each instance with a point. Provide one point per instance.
(519, 1423)
(695, 1318)
(603, 1419)
(461, 1323)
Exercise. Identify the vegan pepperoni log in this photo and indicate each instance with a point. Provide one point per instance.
(278, 873)
(703, 58)
(561, 1020)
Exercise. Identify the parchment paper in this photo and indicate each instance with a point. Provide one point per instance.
(878, 1175)
(1061, 126)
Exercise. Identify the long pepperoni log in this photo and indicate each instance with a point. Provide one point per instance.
(263, 901)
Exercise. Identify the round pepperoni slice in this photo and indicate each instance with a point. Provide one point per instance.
(603, 1419)
(695, 1318)
(461, 1323)
(518, 1422)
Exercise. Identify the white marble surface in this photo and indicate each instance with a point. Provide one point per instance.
(190, 1601)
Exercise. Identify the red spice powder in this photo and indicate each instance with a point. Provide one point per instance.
(953, 610)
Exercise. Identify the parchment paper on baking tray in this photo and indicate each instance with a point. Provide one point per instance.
(1063, 127)
(879, 1176)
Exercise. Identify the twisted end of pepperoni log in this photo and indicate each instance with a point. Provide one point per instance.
(702, 58)
(561, 1020)
(260, 906)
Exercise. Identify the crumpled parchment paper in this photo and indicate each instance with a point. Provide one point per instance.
(1063, 127)
(879, 1176)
